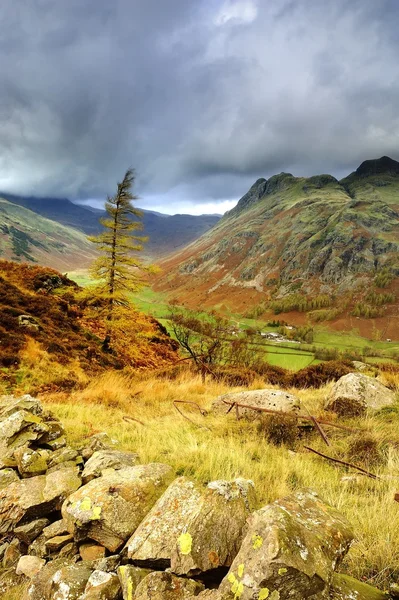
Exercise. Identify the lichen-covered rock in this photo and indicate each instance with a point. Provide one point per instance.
(29, 565)
(63, 455)
(130, 578)
(355, 393)
(155, 539)
(344, 587)
(17, 430)
(108, 564)
(12, 554)
(98, 441)
(69, 583)
(102, 586)
(56, 543)
(57, 528)
(7, 476)
(35, 496)
(40, 585)
(110, 508)
(269, 399)
(107, 459)
(212, 536)
(290, 550)
(30, 531)
(91, 551)
(31, 462)
(11, 404)
(166, 586)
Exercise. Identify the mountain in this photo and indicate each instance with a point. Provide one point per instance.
(296, 237)
(26, 236)
(166, 233)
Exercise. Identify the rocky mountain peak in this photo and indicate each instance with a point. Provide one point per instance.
(378, 166)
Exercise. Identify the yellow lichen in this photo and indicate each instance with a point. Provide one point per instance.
(240, 570)
(129, 589)
(257, 541)
(231, 577)
(282, 571)
(263, 594)
(96, 513)
(85, 504)
(185, 543)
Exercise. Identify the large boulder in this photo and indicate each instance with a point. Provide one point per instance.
(110, 508)
(36, 496)
(183, 528)
(102, 586)
(107, 459)
(290, 550)
(40, 585)
(166, 586)
(355, 393)
(344, 587)
(129, 578)
(270, 399)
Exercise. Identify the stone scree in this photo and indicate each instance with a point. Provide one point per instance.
(94, 524)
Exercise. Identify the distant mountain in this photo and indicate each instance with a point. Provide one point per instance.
(296, 237)
(166, 233)
(28, 237)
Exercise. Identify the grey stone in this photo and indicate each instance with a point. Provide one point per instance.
(98, 441)
(290, 550)
(355, 393)
(110, 508)
(35, 496)
(102, 586)
(107, 459)
(30, 531)
(31, 462)
(270, 399)
(29, 565)
(166, 586)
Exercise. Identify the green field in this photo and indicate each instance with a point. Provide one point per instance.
(288, 355)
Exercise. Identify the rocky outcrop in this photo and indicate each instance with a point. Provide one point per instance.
(291, 548)
(169, 539)
(355, 393)
(269, 399)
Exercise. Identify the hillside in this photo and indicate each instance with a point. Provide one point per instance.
(166, 233)
(27, 236)
(304, 244)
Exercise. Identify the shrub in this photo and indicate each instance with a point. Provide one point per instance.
(234, 376)
(364, 449)
(279, 429)
(318, 375)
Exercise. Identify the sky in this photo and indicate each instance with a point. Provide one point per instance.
(201, 97)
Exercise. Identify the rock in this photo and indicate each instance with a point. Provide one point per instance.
(107, 459)
(166, 586)
(361, 366)
(183, 528)
(28, 322)
(270, 399)
(35, 496)
(31, 462)
(7, 476)
(344, 587)
(29, 566)
(63, 455)
(91, 551)
(38, 547)
(16, 430)
(40, 585)
(108, 564)
(129, 578)
(110, 508)
(30, 531)
(102, 586)
(69, 583)
(10, 404)
(98, 441)
(9, 580)
(290, 550)
(56, 543)
(155, 539)
(54, 431)
(12, 554)
(69, 551)
(57, 528)
(224, 507)
(56, 444)
(355, 393)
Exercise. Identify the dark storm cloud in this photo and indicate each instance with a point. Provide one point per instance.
(200, 96)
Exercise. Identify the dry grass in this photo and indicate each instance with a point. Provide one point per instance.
(231, 448)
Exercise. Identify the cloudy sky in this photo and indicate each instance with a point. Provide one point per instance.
(201, 97)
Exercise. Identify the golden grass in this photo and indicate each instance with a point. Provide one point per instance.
(231, 448)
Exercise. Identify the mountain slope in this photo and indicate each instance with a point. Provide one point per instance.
(288, 235)
(26, 236)
(166, 233)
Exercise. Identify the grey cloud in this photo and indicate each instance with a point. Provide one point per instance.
(199, 105)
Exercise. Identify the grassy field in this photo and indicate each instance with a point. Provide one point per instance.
(288, 356)
(220, 447)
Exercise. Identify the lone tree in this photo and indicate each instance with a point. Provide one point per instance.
(118, 268)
